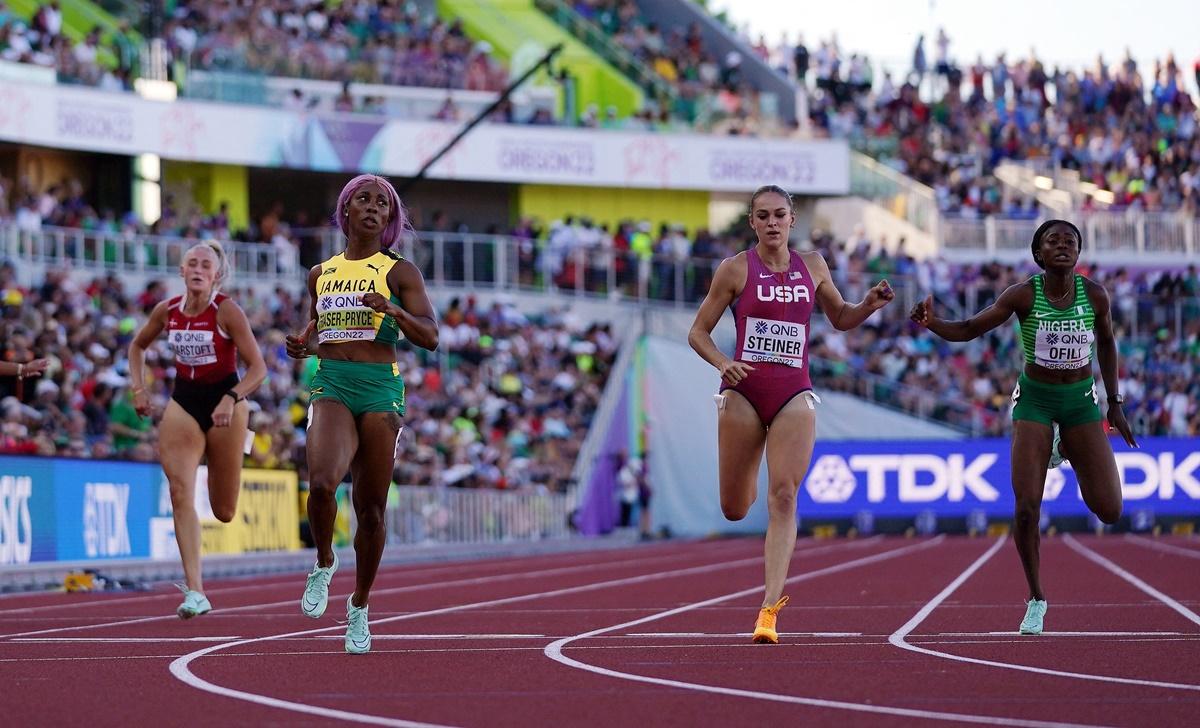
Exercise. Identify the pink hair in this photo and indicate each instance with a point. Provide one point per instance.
(398, 222)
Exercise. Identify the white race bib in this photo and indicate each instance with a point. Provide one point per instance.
(777, 342)
(343, 317)
(192, 348)
(1063, 349)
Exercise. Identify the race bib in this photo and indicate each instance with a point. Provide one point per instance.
(1063, 349)
(777, 342)
(192, 348)
(343, 317)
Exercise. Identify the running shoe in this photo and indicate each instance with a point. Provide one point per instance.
(1056, 457)
(316, 589)
(194, 603)
(764, 628)
(1035, 612)
(358, 636)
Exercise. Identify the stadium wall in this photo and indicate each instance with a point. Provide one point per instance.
(613, 204)
(208, 185)
(58, 509)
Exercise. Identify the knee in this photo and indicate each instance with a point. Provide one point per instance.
(181, 495)
(735, 511)
(370, 518)
(1027, 512)
(323, 485)
(782, 497)
(224, 514)
(1109, 514)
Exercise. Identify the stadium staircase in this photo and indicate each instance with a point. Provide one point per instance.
(594, 37)
(521, 34)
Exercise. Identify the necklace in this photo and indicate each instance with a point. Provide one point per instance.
(1061, 298)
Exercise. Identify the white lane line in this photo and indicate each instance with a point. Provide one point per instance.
(1010, 633)
(86, 640)
(555, 652)
(181, 670)
(272, 581)
(1164, 547)
(1096, 558)
(473, 581)
(899, 638)
(377, 637)
(735, 634)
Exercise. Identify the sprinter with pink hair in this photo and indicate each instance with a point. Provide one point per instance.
(363, 301)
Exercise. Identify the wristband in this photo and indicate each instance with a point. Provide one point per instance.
(20, 371)
(236, 397)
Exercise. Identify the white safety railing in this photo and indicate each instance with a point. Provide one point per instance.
(1120, 237)
(428, 514)
(90, 250)
(903, 196)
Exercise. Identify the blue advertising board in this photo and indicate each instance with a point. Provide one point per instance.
(54, 509)
(104, 508)
(954, 478)
(27, 522)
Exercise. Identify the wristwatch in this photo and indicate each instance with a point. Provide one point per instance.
(1116, 399)
(236, 397)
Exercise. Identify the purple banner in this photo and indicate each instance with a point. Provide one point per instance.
(598, 512)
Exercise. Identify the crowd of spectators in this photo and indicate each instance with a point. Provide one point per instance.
(504, 403)
(388, 42)
(1131, 133)
(98, 59)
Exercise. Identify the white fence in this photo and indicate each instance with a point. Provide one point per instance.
(468, 515)
(1117, 237)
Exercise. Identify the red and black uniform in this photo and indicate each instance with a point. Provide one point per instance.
(205, 359)
(772, 314)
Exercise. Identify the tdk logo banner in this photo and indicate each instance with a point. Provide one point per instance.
(954, 478)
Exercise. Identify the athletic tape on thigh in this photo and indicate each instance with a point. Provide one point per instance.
(720, 400)
(396, 452)
(812, 398)
(249, 444)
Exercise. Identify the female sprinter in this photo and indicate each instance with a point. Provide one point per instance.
(363, 300)
(766, 395)
(1062, 314)
(206, 416)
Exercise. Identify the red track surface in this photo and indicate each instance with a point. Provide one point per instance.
(504, 642)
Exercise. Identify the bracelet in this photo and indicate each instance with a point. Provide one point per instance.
(20, 371)
(236, 397)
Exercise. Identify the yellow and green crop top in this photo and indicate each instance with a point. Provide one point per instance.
(341, 315)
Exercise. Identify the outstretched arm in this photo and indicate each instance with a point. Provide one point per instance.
(1017, 298)
(842, 315)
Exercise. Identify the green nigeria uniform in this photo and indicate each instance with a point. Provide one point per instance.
(1058, 338)
(342, 317)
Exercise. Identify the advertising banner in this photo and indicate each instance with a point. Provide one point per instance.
(122, 123)
(27, 530)
(903, 478)
(103, 509)
(56, 509)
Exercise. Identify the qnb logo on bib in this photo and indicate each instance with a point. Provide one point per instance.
(783, 294)
(1063, 349)
(778, 342)
(193, 348)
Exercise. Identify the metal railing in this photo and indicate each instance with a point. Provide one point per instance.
(1120, 236)
(90, 250)
(904, 197)
(430, 514)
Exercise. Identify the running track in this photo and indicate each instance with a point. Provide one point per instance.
(878, 632)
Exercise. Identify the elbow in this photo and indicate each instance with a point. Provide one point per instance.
(431, 342)
(693, 338)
